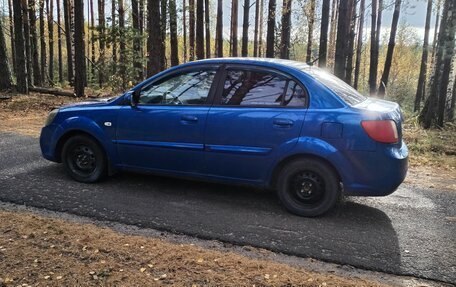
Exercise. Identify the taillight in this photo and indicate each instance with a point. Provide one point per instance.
(384, 131)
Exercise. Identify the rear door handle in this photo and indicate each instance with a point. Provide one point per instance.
(188, 118)
(283, 123)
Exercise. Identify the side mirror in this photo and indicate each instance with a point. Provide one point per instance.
(135, 97)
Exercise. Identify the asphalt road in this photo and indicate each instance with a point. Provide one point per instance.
(411, 232)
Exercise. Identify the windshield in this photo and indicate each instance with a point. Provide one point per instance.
(342, 89)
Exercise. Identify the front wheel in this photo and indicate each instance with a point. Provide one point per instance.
(308, 187)
(84, 159)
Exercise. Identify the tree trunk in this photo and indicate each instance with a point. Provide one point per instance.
(153, 39)
(310, 32)
(136, 40)
(255, 31)
(101, 41)
(208, 30)
(359, 44)
(332, 34)
(92, 38)
(436, 31)
(163, 34)
(11, 26)
(114, 35)
(389, 53)
(234, 28)
(50, 12)
(52, 91)
(5, 80)
(286, 26)
(351, 43)
(173, 33)
(141, 34)
(42, 44)
(200, 29)
(219, 29)
(122, 46)
(322, 51)
(34, 44)
(453, 102)
(28, 50)
(270, 34)
(59, 42)
(191, 26)
(343, 26)
(79, 57)
(245, 29)
(260, 36)
(420, 91)
(184, 27)
(373, 50)
(67, 7)
(21, 65)
(434, 108)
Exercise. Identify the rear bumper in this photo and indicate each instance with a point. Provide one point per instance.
(377, 173)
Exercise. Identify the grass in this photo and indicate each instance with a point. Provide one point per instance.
(435, 147)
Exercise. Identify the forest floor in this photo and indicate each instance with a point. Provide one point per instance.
(42, 250)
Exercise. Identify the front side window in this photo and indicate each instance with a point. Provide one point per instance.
(254, 88)
(190, 88)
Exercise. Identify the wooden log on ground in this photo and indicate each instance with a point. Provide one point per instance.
(52, 91)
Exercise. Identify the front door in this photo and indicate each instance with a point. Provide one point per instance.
(257, 115)
(165, 131)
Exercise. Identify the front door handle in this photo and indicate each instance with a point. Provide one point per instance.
(188, 118)
(283, 123)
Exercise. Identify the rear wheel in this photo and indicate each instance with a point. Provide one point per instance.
(84, 159)
(308, 187)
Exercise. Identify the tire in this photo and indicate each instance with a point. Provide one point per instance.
(308, 187)
(84, 159)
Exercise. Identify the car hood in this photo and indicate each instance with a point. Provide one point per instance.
(89, 103)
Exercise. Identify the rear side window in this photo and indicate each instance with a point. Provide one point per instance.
(342, 89)
(254, 88)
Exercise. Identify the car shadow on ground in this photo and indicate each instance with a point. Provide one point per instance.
(353, 233)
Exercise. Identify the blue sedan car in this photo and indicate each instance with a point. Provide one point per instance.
(270, 123)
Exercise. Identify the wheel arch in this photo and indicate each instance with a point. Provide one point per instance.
(69, 134)
(282, 163)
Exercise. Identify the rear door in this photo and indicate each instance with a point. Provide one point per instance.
(165, 131)
(256, 115)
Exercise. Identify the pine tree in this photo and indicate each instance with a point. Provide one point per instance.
(21, 65)
(153, 40)
(420, 91)
(311, 21)
(322, 50)
(6, 79)
(219, 29)
(286, 27)
(79, 49)
(245, 29)
(234, 28)
(173, 33)
(389, 53)
(270, 34)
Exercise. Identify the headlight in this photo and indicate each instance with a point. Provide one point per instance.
(51, 117)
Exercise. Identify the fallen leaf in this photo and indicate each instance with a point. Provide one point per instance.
(142, 269)
(266, 276)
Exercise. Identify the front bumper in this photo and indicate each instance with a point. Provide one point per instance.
(48, 142)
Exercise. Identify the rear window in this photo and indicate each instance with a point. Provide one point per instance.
(342, 89)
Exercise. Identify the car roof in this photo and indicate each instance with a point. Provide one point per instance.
(266, 62)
